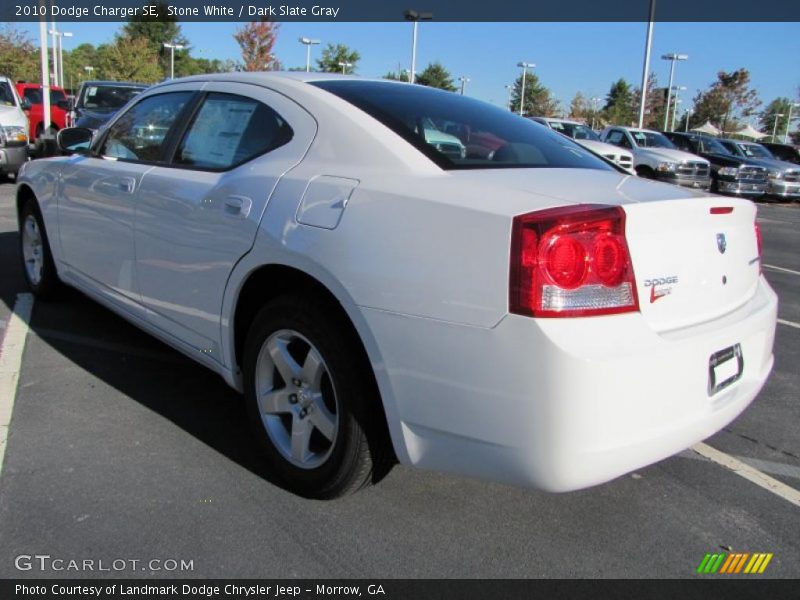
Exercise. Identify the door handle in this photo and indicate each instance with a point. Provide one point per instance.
(127, 184)
(238, 206)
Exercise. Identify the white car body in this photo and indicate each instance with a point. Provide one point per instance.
(688, 170)
(418, 258)
(13, 130)
(619, 156)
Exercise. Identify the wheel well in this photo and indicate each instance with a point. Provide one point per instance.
(644, 171)
(24, 193)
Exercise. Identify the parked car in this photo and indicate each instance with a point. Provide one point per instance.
(783, 178)
(537, 317)
(586, 137)
(13, 128)
(655, 157)
(784, 152)
(730, 175)
(59, 106)
(98, 101)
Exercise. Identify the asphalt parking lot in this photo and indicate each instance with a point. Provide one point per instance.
(120, 448)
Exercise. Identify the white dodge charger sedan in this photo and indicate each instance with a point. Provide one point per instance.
(526, 313)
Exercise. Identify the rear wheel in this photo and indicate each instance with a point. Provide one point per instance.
(37, 260)
(311, 399)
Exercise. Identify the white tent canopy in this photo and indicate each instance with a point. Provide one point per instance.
(708, 128)
(750, 132)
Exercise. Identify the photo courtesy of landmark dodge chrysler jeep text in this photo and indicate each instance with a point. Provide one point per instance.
(502, 315)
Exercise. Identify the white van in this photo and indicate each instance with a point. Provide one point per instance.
(13, 128)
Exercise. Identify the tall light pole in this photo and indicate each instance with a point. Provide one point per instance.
(595, 104)
(673, 57)
(415, 17)
(45, 75)
(345, 65)
(509, 89)
(172, 48)
(789, 121)
(58, 54)
(688, 116)
(463, 81)
(525, 66)
(676, 89)
(308, 42)
(646, 65)
(775, 126)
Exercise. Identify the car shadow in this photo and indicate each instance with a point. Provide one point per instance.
(137, 365)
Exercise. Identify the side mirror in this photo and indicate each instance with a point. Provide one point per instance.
(26, 104)
(74, 140)
(63, 104)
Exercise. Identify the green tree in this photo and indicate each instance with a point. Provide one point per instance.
(769, 117)
(655, 104)
(436, 76)
(538, 102)
(128, 59)
(579, 107)
(333, 54)
(158, 30)
(396, 76)
(19, 58)
(619, 108)
(728, 100)
(256, 41)
(75, 63)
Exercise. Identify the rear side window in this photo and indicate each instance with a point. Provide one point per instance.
(140, 133)
(229, 130)
(6, 95)
(458, 132)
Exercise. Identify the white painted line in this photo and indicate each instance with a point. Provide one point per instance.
(750, 473)
(782, 269)
(11, 350)
(766, 466)
(789, 323)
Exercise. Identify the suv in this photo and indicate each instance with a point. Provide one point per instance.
(13, 128)
(783, 178)
(785, 152)
(59, 106)
(655, 157)
(587, 138)
(730, 174)
(98, 101)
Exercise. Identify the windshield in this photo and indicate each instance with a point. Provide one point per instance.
(107, 96)
(755, 151)
(714, 147)
(574, 130)
(34, 95)
(491, 137)
(651, 139)
(6, 95)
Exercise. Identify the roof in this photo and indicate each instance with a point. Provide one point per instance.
(117, 83)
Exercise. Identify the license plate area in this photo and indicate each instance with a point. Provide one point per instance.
(724, 368)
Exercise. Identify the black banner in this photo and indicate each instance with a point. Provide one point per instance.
(398, 10)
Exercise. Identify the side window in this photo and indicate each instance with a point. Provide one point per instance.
(614, 137)
(682, 143)
(139, 134)
(229, 130)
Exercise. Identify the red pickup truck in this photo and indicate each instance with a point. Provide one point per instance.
(59, 107)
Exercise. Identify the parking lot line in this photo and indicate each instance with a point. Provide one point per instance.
(750, 473)
(782, 269)
(11, 350)
(789, 323)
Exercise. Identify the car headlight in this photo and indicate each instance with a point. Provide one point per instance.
(14, 133)
(774, 174)
(667, 167)
(729, 171)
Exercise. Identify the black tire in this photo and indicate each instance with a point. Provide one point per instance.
(360, 452)
(48, 286)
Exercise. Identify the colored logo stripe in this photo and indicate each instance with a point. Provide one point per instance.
(735, 562)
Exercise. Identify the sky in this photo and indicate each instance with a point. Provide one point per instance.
(569, 57)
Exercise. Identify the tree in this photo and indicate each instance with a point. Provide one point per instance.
(128, 59)
(727, 100)
(769, 117)
(538, 99)
(655, 104)
(19, 58)
(396, 76)
(579, 107)
(619, 104)
(436, 76)
(256, 40)
(75, 63)
(333, 54)
(158, 30)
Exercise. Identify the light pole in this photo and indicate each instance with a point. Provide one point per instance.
(509, 89)
(415, 17)
(524, 66)
(463, 81)
(673, 57)
(345, 65)
(595, 104)
(676, 89)
(775, 126)
(789, 121)
(688, 116)
(646, 65)
(58, 55)
(172, 48)
(308, 42)
(45, 75)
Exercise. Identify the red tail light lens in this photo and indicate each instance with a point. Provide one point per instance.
(571, 261)
(758, 239)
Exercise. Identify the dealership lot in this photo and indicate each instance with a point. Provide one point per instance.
(122, 449)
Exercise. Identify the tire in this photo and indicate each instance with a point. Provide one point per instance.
(325, 437)
(37, 260)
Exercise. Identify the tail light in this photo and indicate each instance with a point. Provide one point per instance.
(759, 244)
(571, 262)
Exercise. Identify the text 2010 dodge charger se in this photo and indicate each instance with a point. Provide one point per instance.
(524, 313)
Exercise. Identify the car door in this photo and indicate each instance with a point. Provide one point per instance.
(198, 215)
(99, 191)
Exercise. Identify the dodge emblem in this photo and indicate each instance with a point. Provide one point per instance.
(722, 243)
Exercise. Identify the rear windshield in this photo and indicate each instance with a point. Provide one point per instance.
(107, 96)
(34, 95)
(575, 130)
(458, 132)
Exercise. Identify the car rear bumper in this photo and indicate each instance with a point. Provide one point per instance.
(12, 158)
(783, 189)
(563, 404)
